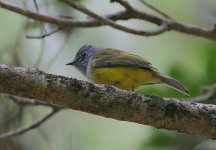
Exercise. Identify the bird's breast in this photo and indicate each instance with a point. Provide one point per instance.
(127, 78)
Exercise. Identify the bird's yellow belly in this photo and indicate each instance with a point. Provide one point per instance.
(127, 78)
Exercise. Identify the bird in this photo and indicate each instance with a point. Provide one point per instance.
(121, 69)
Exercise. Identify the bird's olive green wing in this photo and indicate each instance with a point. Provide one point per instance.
(117, 58)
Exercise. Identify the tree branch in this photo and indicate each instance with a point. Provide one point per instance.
(35, 124)
(111, 23)
(209, 33)
(62, 22)
(167, 113)
(29, 127)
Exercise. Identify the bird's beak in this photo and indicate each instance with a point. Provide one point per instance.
(71, 63)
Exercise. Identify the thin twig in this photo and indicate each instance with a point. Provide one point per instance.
(124, 3)
(111, 23)
(208, 93)
(42, 43)
(37, 10)
(29, 127)
(33, 102)
(204, 97)
(155, 9)
(44, 35)
(45, 137)
(36, 5)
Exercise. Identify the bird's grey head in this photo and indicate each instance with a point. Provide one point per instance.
(83, 56)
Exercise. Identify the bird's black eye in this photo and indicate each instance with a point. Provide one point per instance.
(83, 54)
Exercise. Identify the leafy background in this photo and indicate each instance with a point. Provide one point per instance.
(189, 59)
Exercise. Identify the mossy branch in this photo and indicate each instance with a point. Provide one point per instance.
(172, 114)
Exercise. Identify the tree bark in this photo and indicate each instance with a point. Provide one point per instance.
(167, 113)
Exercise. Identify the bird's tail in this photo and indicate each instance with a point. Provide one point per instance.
(172, 83)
